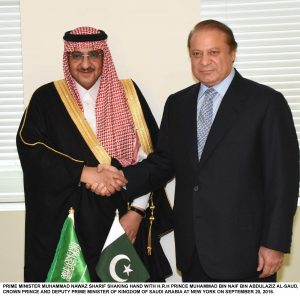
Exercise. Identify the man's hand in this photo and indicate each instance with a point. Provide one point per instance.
(131, 223)
(103, 180)
(269, 261)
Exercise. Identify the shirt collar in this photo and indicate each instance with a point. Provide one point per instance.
(93, 91)
(221, 87)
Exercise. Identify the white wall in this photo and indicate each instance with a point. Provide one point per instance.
(147, 40)
(12, 246)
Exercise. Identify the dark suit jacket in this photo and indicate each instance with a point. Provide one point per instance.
(243, 193)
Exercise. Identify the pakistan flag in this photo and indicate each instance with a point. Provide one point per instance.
(68, 264)
(119, 261)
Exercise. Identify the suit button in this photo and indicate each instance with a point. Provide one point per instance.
(196, 188)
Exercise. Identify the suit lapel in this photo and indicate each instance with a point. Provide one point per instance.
(190, 123)
(230, 108)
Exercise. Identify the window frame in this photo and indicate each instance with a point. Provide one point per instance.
(11, 105)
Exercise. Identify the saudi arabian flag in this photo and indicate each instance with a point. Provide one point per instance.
(68, 264)
(119, 261)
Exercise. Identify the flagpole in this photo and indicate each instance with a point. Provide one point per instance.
(118, 247)
(68, 264)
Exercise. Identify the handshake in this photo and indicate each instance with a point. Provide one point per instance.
(103, 180)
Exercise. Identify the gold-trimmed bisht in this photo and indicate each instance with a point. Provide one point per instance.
(90, 138)
(41, 143)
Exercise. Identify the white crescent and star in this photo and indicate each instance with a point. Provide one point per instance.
(112, 268)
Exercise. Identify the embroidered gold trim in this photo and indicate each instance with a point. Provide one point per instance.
(137, 115)
(144, 138)
(41, 143)
(78, 118)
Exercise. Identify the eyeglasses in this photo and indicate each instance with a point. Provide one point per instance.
(78, 56)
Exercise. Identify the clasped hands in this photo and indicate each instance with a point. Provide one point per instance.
(103, 180)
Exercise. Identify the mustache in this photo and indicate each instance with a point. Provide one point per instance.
(86, 70)
(207, 67)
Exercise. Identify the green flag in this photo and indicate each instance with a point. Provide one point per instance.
(119, 261)
(68, 264)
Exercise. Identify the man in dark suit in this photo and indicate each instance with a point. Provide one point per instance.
(232, 147)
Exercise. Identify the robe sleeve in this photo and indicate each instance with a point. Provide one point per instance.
(48, 170)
